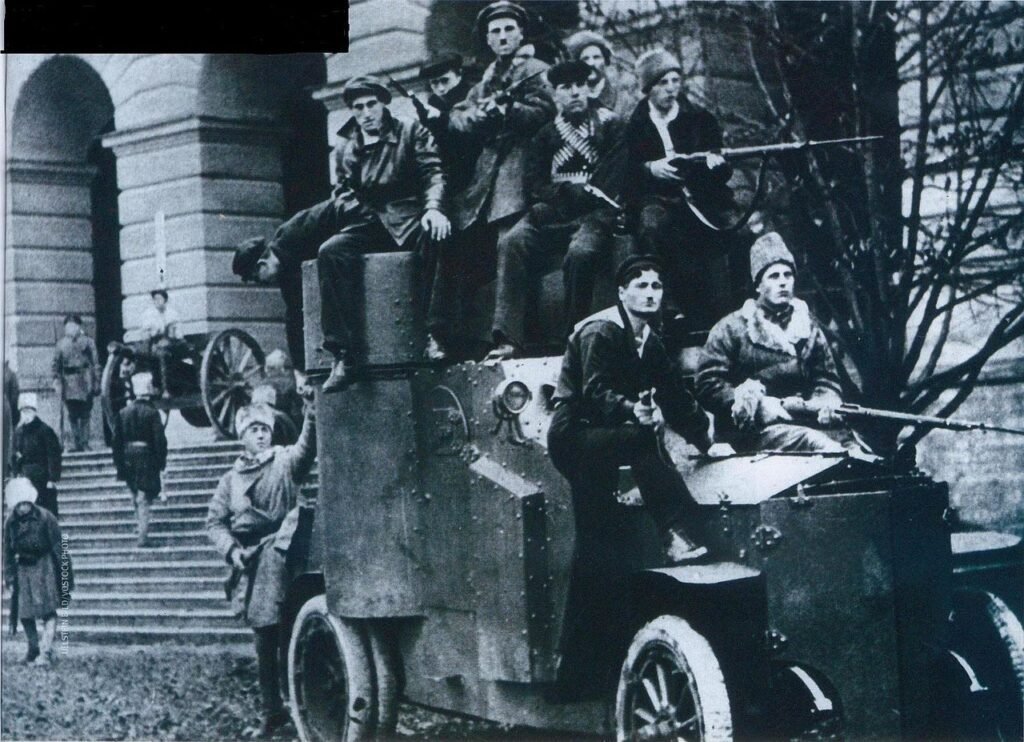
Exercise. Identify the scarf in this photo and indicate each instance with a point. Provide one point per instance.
(780, 315)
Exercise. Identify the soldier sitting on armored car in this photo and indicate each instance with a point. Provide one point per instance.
(766, 356)
(616, 390)
(393, 169)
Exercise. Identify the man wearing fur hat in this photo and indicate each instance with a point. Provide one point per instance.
(610, 87)
(495, 196)
(673, 202)
(33, 556)
(769, 350)
(565, 224)
(247, 524)
(140, 451)
(37, 452)
(393, 169)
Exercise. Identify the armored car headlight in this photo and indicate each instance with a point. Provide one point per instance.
(511, 398)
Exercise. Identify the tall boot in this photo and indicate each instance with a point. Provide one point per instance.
(274, 713)
(46, 642)
(33, 640)
(142, 513)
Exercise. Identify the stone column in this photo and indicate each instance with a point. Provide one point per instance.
(216, 182)
(48, 266)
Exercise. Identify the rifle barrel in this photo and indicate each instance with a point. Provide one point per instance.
(768, 149)
(851, 410)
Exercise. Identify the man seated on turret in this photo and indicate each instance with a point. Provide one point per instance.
(393, 170)
(160, 327)
(767, 355)
(563, 220)
(448, 88)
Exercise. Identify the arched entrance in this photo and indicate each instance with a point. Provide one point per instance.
(62, 239)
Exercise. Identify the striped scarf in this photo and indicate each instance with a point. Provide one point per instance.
(574, 161)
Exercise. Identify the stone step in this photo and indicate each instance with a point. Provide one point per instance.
(100, 499)
(152, 617)
(79, 631)
(85, 468)
(75, 487)
(154, 584)
(122, 540)
(149, 600)
(131, 553)
(113, 571)
(100, 526)
(167, 510)
(109, 477)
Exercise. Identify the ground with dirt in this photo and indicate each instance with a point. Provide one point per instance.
(165, 693)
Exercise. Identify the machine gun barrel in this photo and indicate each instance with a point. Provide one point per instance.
(736, 153)
(421, 110)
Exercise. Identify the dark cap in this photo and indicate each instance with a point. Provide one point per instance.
(247, 255)
(76, 318)
(159, 292)
(501, 9)
(566, 73)
(636, 264)
(366, 85)
(439, 65)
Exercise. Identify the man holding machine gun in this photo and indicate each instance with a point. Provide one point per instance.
(768, 356)
(502, 113)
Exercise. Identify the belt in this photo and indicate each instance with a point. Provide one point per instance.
(250, 539)
(72, 369)
(138, 445)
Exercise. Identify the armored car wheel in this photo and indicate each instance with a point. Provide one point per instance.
(387, 680)
(330, 677)
(232, 367)
(671, 686)
(987, 644)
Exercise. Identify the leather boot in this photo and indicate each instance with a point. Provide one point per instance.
(339, 378)
(46, 640)
(33, 640)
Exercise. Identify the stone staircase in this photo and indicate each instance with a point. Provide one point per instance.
(172, 591)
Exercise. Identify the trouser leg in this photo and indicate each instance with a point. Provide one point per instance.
(298, 238)
(142, 513)
(589, 251)
(78, 419)
(464, 264)
(515, 254)
(31, 634)
(339, 264)
(267, 650)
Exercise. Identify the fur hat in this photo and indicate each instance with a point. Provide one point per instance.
(19, 490)
(247, 255)
(566, 73)
(643, 262)
(767, 250)
(365, 85)
(264, 394)
(580, 40)
(653, 65)
(142, 384)
(252, 414)
(501, 9)
(28, 399)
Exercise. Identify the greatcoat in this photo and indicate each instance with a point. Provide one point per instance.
(75, 365)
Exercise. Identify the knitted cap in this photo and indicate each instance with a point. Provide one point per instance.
(19, 490)
(252, 414)
(767, 250)
(580, 40)
(28, 399)
(653, 65)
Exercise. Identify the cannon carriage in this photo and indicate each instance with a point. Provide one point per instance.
(838, 600)
(206, 377)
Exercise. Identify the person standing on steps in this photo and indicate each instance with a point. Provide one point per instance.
(251, 519)
(37, 452)
(33, 556)
(140, 451)
(76, 378)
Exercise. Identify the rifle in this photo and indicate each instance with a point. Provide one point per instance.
(509, 94)
(421, 110)
(804, 408)
(738, 153)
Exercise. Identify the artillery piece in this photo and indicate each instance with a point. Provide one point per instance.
(837, 601)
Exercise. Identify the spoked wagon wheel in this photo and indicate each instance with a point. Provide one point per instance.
(671, 686)
(330, 677)
(113, 390)
(232, 366)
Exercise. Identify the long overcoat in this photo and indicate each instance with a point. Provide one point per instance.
(140, 447)
(33, 560)
(76, 364)
(247, 510)
(37, 453)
